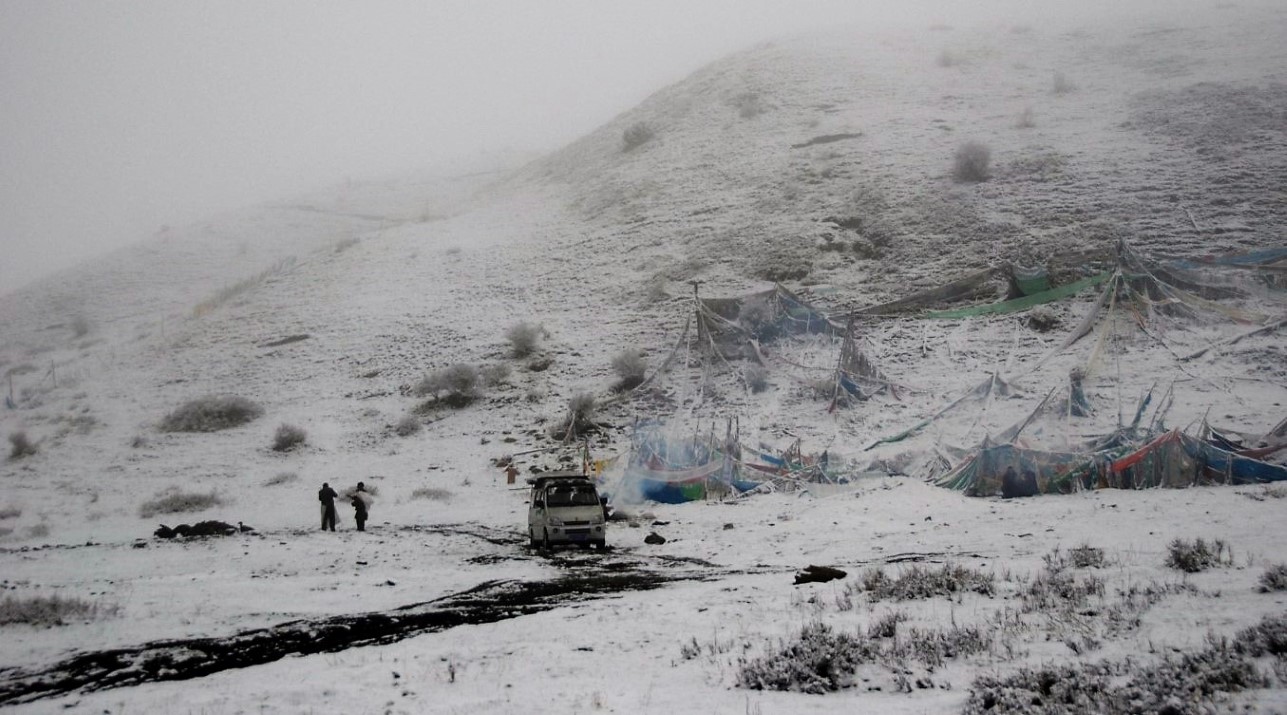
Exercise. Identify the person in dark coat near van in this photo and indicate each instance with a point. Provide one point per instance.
(327, 496)
(360, 502)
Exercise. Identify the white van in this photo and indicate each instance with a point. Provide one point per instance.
(565, 509)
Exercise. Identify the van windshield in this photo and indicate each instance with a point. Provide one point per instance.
(572, 496)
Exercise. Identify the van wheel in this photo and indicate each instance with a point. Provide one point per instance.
(601, 545)
(545, 540)
(532, 539)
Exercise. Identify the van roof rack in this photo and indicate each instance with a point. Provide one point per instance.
(550, 476)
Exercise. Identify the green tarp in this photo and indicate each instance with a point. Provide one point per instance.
(1018, 304)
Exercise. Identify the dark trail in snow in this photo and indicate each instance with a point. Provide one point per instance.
(183, 659)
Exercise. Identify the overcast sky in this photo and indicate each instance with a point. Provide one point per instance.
(119, 117)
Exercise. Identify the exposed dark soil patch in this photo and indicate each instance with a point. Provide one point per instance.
(285, 341)
(825, 139)
(184, 659)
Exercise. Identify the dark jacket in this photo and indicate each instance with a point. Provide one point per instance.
(326, 495)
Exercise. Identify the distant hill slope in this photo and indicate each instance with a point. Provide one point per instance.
(1094, 132)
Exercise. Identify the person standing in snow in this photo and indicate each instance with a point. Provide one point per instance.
(327, 496)
(360, 504)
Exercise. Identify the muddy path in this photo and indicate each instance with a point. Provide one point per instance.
(197, 657)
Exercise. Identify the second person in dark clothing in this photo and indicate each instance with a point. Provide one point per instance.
(360, 506)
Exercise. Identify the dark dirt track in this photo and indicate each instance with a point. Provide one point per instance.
(197, 657)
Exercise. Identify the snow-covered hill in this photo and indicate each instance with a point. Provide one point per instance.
(1171, 135)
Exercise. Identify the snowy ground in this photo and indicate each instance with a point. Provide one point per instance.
(391, 281)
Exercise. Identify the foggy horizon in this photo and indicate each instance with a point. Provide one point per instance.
(122, 118)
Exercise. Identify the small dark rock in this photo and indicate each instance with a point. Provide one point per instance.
(654, 538)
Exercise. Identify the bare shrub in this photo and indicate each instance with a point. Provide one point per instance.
(407, 426)
(493, 375)
(918, 583)
(580, 416)
(211, 414)
(1042, 319)
(1267, 637)
(288, 437)
(523, 338)
(1274, 579)
(970, 164)
(636, 135)
(281, 478)
(935, 647)
(655, 290)
(757, 378)
(886, 626)
(20, 445)
(45, 610)
(1114, 688)
(431, 493)
(1197, 555)
(454, 386)
(80, 326)
(1027, 119)
(177, 502)
(749, 105)
(631, 366)
(948, 58)
(1061, 84)
(816, 661)
(1057, 590)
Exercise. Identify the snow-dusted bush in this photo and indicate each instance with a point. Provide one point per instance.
(948, 58)
(523, 338)
(917, 583)
(80, 326)
(1175, 685)
(757, 378)
(431, 493)
(1042, 319)
(971, 161)
(816, 661)
(20, 445)
(1081, 557)
(44, 610)
(1267, 637)
(177, 502)
(407, 426)
(631, 366)
(1061, 84)
(1060, 590)
(1027, 119)
(493, 375)
(749, 105)
(454, 386)
(288, 437)
(211, 414)
(1197, 555)
(579, 418)
(886, 626)
(934, 647)
(1274, 578)
(636, 135)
